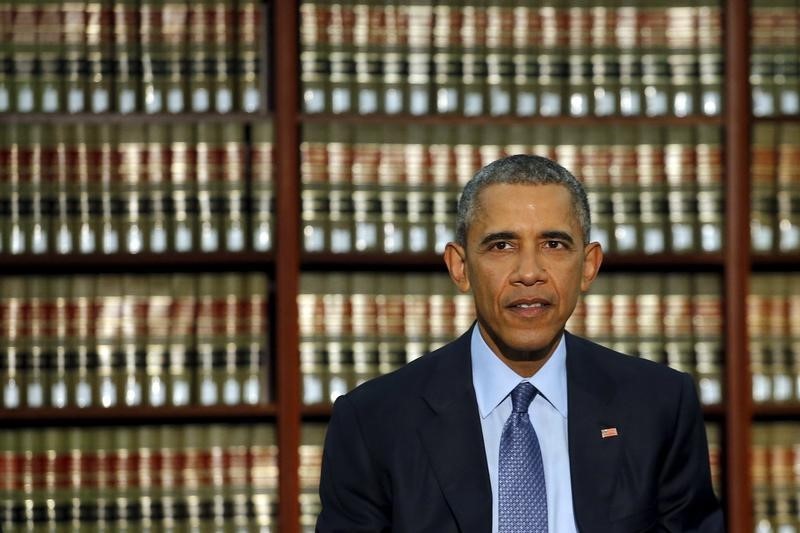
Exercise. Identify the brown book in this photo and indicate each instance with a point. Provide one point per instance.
(200, 48)
(678, 314)
(210, 340)
(107, 330)
(679, 160)
(598, 312)
(62, 162)
(83, 323)
(6, 53)
(649, 294)
(315, 191)
(184, 188)
(314, 57)
(231, 202)
(311, 444)
(155, 189)
(263, 453)
(257, 367)
(365, 158)
(261, 187)
(590, 155)
(131, 149)
(99, 51)
(311, 320)
(710, 57)
(758, 313)
(715, 456)
(251, 72)
(420, 99)
(788, 184)
(762, 52)
(710, 204)
(763, 172)
(339, 173)
(682, 48)
(629, 44)
(25, 94)
(152, 49)
(368, 41)
(342, 58)
(625, 193)
(653, 199)
(209, 180)
(707, 323)
(127, 66)
(133, 345)
(158, 320)
(175, 35)
(475, 61)
(184, 340)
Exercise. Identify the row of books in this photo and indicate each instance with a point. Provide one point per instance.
(675, 319)
(79, 188)
(775, 199)
(129, 340)
(356, 326)
(774, 455)
(215, 477)
(773, 321)
(774, 62)
(313, 436)
(511, 58)
(394, 189)
(124, 56)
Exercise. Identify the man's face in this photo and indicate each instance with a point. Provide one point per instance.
(526, 264)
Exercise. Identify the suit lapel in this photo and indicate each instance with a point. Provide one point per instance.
(453, 439)
(593, 459)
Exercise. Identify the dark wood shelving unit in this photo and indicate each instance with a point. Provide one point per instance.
(287, 261)
(136, 263)
(134, 118)
(68, 416)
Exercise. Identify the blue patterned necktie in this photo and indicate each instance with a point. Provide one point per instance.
(522, 495)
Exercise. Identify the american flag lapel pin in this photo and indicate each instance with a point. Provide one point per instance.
(607, 433)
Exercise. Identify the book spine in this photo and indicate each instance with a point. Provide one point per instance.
(127, 54)
(252, 90)
(183, 188)
(99, 52)
(155, 188)
(680, 166)
(762, 196)
(261, 191)
(208, 179)
(233, 188)
(788, 183)
(185, 340)
(315, 193)
(175, 34)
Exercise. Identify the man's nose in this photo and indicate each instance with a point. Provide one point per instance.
(530, 268)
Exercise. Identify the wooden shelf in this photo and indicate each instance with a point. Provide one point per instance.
(774, 410)
(778, 118)
(776, 261)
(487, 120)
(132, 118)
(46, 416)
(135, 263)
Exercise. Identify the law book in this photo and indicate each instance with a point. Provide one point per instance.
(762, 50)
(682, 44)
(199, 53)
(500, 68)
(183, 188)
(59, 345)
(99, 55)
(786, 70)
(337, 169)
(715, 456)
(763, 168)
(417, 189)
(233, 373)
(310, 452)
(315, 189)
(420, 98)
(793, 327)
(710, 205)
(223, 15)
(393, 96)
(368, 42)
(598, 312)
(56, 167)
(311, 319)
(83, 322)
(367, 208)
(134, 204)
(579, 83)
(252, 90)
(233, 196)
(49, 71)
(208, 174)
(16, 154)
(625, 193)
(604, 60)
(127, 65)
(630, 49)
(589, 153)
(74, 56)
(337, 335)
(444, 183)
(653, 193)
(622, 324)
(476, 61)
(314, 56)
(710, 58)
(6, 48)
(183, 340)
(392, 192)
(678, 314)
(175, 35)
(261, 186)
(33, 343)
(342, 58)
(107, 330)
(553, 59)
(649, 321)
(25, 89)
(681, 175)
(210, 340)
(652, 24)
(154, 187)
(707, 326)
(6, 144)
(788, 185)
(158, 320)
(526, 38)
(263, 452)
(258, 365)
(12, 302)
(782, 442)
(447, 53)
(103, 187)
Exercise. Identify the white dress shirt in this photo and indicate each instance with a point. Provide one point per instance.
(493, 382)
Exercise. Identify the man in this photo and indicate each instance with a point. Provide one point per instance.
(518, 426)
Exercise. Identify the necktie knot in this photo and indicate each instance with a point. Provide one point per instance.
(522, 396)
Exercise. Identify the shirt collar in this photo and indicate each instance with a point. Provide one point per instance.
(493, 380)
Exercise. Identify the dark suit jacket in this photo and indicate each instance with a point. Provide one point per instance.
(404, 452)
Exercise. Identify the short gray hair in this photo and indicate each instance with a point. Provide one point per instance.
(526, 170)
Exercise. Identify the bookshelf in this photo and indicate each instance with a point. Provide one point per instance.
(287, 261)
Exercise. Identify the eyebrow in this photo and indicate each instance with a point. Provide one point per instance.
(510, 235)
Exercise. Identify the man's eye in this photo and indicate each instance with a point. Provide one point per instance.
(502, 245)
(554, 244)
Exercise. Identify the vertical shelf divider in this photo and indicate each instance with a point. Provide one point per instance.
(737, 255)
(287, 257)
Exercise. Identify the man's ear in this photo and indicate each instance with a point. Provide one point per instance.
(455, 257)
(592, 259)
